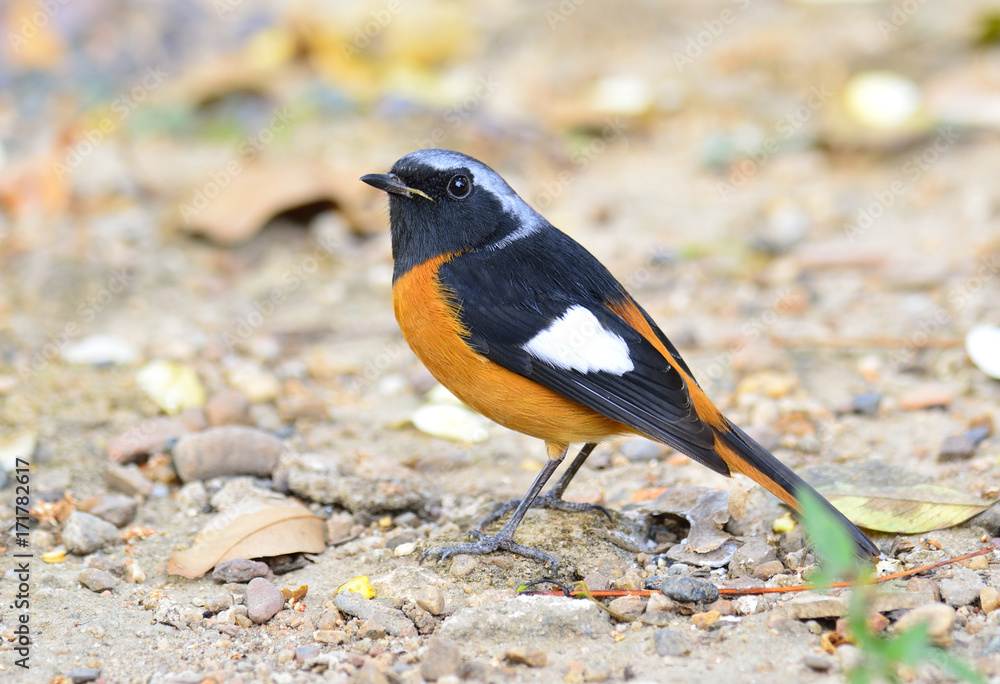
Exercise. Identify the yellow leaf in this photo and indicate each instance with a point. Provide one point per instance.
(171, 385)
(359, 585)
(55, 556)
(784, 524)
(905, 510)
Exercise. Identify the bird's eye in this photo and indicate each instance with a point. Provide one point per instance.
(459, 186)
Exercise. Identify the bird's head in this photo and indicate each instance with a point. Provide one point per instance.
(445, 202)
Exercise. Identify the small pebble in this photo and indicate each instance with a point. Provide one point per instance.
(392, 619)
(448, 421)
(462, 566)
(746, 605)
(239, 571)
(431, 599)
(404, 549)
(148, 437)
(755, 551)
(866, 404)
(97, 580)
(127, 479)
(670, 642)
(766, 571)
(962, 447)
(339, 528)
(89, 674)
(705, 620)
(850, 656)
(817, 662)
(659, 603)
(304, 654)
(194, 418)
(370, 674)
(371, 629)
(684, 589)
(532, 657)
(939, 618)
(962, 588)
(226, 451)
(630, 607)
(925, 397)
(117, 509)
(253, 381)
(639, 450)
(442, 658)
(767, 383)
(101, 350)
(977, 563)
(228, 407)
(989, 599)
(330, 636)
(84, 533)
(982, 344)
(263, 600)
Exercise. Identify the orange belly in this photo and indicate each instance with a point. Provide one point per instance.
(430, 324)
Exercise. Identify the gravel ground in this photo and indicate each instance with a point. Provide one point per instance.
(818, 274)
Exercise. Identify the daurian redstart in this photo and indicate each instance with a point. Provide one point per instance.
(524, 325)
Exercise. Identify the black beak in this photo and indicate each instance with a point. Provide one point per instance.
(389, 182)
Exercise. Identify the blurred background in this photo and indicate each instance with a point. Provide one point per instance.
(803, 194)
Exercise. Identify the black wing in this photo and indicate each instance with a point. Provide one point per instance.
(503, 312)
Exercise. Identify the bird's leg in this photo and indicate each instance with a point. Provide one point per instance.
(552, 498)
(504, 539)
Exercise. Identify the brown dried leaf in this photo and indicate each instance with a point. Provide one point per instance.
(256, 192)
(256, 529)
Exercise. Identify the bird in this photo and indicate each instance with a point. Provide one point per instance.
(523, 324)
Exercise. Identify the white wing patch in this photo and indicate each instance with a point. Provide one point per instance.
(577, 341)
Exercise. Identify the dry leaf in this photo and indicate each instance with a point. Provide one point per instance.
(707, 510)
(905, 510)
(252, 194)
(172, 385)
(253, 529)
(359, 585)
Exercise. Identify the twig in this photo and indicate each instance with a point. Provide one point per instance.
(730, 591)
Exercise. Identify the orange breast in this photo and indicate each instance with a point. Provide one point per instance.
(427, 315)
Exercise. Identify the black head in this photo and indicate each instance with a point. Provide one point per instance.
(442, 202)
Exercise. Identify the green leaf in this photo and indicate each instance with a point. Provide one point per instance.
(833, 544)
(904, 510)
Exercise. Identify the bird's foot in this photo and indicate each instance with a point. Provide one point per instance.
(489, 545)
(547, 500)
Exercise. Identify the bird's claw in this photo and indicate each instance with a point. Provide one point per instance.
(548, 500)
(486, 545)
